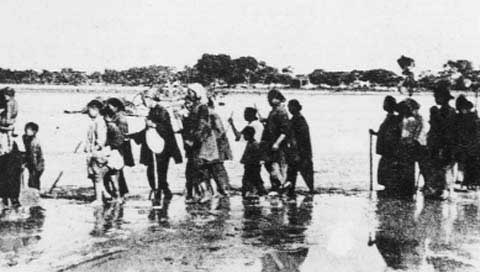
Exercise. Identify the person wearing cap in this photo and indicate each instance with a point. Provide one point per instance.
(441, 141)
(117, 107)
(299, 151)
(468, 162)
(274, 139)
(159, 119)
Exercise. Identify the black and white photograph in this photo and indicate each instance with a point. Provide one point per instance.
(247, 135)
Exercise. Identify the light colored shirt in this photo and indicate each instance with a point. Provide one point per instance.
(96, 134)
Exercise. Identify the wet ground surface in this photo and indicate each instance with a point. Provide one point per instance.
(326, 232)
(341, 229)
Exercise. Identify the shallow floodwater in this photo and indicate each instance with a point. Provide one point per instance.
(349, 231)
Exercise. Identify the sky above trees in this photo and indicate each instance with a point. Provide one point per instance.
(329, 34)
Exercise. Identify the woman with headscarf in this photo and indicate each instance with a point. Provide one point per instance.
(388, 137)
(117, 107)
(199, 142)
(274, 139)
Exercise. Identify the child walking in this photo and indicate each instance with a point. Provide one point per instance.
(35, 162)
(252, 183)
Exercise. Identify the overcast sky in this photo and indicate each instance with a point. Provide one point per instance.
(329, 34)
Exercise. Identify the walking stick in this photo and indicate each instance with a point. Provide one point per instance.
(155, 174)
(55, 182)
(371, 161)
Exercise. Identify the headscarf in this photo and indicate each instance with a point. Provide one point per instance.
(199, 92)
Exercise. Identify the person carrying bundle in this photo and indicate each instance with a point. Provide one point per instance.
(158, 120)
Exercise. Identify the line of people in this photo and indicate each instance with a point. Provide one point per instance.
(448, 153)
(276, 142)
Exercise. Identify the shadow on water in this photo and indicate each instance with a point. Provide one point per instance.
(107, 217)
(428, 235)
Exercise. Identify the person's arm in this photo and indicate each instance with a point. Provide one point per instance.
(37, 156)
(101, 135)
(284, 130)
(237, 133)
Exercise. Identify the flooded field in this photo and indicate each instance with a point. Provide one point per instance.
(344, 228)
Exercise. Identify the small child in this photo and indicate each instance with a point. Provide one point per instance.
(251, 159)
(35, 162)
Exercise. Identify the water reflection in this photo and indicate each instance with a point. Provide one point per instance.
(161, 213)
(278, 224)
(426, 235)
(284, 260)
(26, 228)
(107, 217)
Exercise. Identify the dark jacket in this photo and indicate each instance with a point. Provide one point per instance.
(252, 154)
(33, 154)
(126, 148)
(388, 136)
(441, 139)
(300, 137)
(161, 118)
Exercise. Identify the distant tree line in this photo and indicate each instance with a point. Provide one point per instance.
(221, 69)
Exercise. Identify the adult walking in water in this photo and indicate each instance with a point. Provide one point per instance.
(410, 148)
(199, 142)
(441, 142)
(10, 156)
(219, 173)
(274, 139)
(468, 161)
(118, 109)
(388, 137)
(300, 157)
(159, 119)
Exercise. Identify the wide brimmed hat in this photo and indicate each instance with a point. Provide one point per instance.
(116, 102)
(463, 103)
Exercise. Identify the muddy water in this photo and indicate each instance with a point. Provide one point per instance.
(353, 231)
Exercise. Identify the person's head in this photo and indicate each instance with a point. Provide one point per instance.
(275, 97)
(115, 104)
(441, 92)
(31, 129)
(94, 107)
(108, 114)
(294, 107)
(197, 93)
(389, 104)
(250, 114)
(248, 133)
(403, 109)
(8, 93)
(150, 98)
(462, 104)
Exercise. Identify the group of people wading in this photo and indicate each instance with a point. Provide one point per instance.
(280, 143)
(449, 152)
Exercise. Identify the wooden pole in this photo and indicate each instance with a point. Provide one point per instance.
(155, 175)
(55, 182)
(371, 161)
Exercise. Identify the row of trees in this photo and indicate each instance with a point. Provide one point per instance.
(222, 69)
